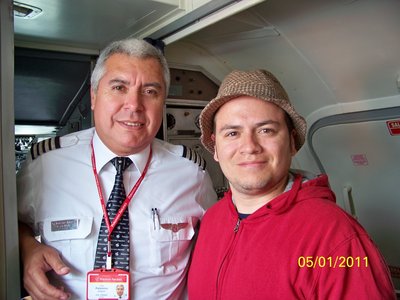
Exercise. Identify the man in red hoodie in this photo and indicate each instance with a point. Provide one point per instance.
(276, 234)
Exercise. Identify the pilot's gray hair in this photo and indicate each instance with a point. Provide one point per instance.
(132, 47)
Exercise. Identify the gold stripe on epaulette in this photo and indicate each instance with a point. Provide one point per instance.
(45, 146)
(194, 157)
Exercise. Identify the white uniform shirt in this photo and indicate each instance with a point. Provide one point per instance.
(58, 197)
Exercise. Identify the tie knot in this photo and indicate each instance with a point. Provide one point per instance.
(121, 163)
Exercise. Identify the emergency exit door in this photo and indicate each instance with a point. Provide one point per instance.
(360, 152)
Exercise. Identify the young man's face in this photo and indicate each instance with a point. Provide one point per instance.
(128, 103)
(253, 146)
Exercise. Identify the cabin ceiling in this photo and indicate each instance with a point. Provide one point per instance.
(325, 52)
(85, 23)
(91, 24)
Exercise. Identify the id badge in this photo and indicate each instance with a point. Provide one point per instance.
(102, 284)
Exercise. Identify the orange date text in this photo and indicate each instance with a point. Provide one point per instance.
(332, 262)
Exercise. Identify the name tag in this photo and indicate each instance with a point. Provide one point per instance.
(107, 284)
(62, 225)
(65, 228)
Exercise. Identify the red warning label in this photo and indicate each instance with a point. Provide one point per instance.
(394, 127)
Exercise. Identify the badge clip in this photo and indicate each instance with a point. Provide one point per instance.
(109, 256)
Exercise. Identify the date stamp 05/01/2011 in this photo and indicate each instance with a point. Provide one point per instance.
(332, 262)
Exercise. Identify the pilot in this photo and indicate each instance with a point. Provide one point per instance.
(66, 184)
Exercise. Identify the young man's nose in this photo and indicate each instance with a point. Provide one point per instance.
(250, 143)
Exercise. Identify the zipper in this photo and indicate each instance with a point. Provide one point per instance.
(225, 262)
(236, 226)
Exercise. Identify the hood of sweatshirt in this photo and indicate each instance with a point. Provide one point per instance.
(302, 190)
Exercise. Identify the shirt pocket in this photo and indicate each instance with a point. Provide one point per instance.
(171, 240)
(71, 237)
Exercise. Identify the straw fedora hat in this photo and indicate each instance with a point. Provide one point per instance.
(259, 84)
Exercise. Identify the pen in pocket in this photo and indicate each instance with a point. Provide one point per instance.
(156, 217)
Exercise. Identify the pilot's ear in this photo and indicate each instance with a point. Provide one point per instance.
(92, 98)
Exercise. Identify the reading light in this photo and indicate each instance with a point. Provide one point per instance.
(25, 11)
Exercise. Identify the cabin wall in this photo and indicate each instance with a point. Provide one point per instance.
(9, 250)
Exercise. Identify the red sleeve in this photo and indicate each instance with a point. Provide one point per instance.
(354, 270)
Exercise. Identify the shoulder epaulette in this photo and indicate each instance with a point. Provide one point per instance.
(194, 156)
(45, 146)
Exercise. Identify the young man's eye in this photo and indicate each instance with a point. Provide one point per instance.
(231, 134)
(267, 130)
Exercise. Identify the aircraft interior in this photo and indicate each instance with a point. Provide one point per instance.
(337, 59)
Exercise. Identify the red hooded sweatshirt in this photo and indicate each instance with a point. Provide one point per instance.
(300, 245)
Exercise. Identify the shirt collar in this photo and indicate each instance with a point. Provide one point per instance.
(290, 183)
(104, 155)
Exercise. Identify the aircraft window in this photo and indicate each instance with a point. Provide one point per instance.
(48, 85)
(51, 96)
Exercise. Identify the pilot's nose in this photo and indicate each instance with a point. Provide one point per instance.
(133, 101)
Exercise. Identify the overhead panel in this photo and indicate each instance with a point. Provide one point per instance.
(206, 14)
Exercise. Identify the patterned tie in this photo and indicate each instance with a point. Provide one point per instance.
(120, 235)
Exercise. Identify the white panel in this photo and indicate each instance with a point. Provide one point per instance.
(181, 120)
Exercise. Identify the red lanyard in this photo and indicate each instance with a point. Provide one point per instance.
(124, 205)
